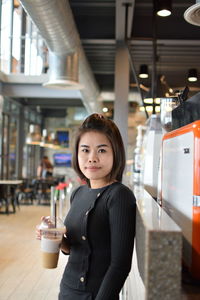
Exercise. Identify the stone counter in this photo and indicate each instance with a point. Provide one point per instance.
(158, 249)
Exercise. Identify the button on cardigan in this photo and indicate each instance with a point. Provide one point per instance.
(100, 229)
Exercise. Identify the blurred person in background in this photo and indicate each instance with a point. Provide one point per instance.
(45, 168)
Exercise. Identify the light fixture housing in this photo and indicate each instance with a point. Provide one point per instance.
(191, 15)
(144, 73)
(45, 142)
(63, 71)
(192, 75)
(163, 8)
(33, 137)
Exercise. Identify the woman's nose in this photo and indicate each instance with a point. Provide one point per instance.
(93, 157)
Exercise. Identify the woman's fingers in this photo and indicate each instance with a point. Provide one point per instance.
(38, 231)
(38, 234)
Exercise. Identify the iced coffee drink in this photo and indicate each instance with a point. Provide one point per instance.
(51, 237)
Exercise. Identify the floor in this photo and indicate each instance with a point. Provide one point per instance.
(21, 274)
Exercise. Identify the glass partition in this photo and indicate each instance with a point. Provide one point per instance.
(22, 48)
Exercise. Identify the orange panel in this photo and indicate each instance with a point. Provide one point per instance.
(195, 128)
(196, 187)
(195, 268)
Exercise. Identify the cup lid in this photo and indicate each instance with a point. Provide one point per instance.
(52, 223)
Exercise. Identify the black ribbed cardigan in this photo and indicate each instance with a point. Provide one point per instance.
(100, 229)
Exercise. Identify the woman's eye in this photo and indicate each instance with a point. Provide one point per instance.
(85, 150)
(102, 150)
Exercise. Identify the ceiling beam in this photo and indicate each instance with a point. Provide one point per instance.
(21, 90)
(53, 103)
(141, 41)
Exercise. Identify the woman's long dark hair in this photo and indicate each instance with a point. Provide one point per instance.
(97, 122)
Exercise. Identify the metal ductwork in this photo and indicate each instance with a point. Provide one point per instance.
(67, 59)
(192, 14)
(63, 71)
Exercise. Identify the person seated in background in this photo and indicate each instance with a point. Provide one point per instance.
(45, 168)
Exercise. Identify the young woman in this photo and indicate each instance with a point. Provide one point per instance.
(101, 222)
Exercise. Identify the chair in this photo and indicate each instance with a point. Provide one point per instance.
(25, 192)
(42, 188)
(7, 197)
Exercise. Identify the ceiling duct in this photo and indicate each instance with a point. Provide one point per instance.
(56, 24)
(192, 14)
(63, 71)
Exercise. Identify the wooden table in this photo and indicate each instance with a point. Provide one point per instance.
(9, 183)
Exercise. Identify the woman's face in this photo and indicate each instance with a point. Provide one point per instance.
(95, 158)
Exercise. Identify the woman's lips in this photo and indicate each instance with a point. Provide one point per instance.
(92, 168)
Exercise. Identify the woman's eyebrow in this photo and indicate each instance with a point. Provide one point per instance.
(102, 145)
(98, 146)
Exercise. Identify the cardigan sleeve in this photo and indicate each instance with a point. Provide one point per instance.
(122, 212)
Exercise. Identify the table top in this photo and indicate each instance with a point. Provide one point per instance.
(9, 181)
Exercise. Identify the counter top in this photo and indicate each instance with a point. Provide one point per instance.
(155, 218)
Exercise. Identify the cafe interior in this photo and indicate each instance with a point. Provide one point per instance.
(134, 62)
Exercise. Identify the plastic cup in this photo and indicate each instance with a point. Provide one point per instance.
(52, 230)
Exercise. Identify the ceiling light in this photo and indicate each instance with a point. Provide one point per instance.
(157, 100)
(49, 140)
(44, 139)
(149, 108)
(54, 141)
(157, 109)
(163, 8)
(148, 100)
(105, 109)
(192, 75)
(144, 71)
(33, 137)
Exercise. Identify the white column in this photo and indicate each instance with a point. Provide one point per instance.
(121, 91)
